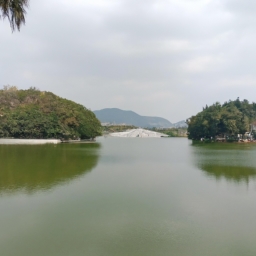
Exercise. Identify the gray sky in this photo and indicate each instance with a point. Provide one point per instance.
(165, 58)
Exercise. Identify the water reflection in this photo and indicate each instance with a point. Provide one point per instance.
(230, 173)
(233, 162)
(31, 168)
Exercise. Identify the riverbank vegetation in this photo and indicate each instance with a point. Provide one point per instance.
(172, 132)
(37, 114)
(227, 120)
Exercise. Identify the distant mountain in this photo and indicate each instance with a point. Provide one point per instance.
(180, 124)
(118, 116)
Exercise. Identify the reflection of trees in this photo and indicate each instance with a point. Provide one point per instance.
(232, 161)
(230, 173)
(42, 167)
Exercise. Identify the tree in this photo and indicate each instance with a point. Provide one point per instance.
(15, 11)
(36, 114)
(231, 118)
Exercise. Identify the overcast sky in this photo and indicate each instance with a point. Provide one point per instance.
(165, 58)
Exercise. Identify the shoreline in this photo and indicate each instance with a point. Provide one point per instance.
(12, 141)
(225, 141)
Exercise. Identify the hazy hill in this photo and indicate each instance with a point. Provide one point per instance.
(180, 124)
(118, 116)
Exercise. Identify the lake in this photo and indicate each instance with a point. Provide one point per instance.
(128, 196)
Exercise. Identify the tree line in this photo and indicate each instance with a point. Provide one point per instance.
(231, 118)
(36, 114)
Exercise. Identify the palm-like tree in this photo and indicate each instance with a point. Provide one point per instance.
(15, 11)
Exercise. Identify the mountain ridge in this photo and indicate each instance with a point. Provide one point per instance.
(128, 117)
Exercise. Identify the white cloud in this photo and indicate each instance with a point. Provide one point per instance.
(202, 64)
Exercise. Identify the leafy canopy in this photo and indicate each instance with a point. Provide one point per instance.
(231, 118)
(36, 114)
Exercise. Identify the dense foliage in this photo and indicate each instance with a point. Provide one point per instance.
(35, 114)
(231, 118)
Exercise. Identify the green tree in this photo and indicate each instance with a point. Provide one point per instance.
(231, 118)
(15, 11)
(35, 114)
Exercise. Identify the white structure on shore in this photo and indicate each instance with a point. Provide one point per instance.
(29, 141)
(142, 133)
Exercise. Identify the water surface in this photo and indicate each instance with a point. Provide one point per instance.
(128, 196)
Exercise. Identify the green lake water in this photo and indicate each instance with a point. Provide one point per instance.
(128, 196)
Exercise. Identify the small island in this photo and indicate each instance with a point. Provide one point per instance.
(232, 121)
(35, 114)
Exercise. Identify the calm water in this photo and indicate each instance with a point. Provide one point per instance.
(136, 197)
